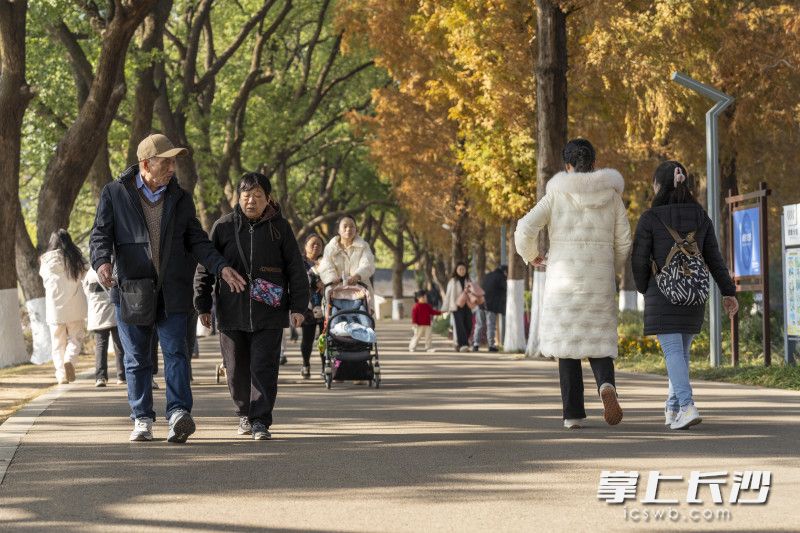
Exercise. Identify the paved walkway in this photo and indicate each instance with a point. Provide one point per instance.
(450, 442)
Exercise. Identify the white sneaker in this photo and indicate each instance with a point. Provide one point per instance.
(464, 349)
(142, 430)
(669, 416)
(181, 425)
(100, 382)
(574, 423)
(687, 417)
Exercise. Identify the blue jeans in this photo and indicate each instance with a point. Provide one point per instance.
(136, 341)
(676, 352)
(480, 326)
(491, 324)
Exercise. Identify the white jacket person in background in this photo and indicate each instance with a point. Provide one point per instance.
(62, 268)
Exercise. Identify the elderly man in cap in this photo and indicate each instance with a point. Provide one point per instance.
(145, 242)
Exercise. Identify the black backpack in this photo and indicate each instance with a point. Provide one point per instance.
(684, 278)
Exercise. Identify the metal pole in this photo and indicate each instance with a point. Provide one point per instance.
(722, 101)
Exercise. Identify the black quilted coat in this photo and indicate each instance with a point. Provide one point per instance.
(653, 241)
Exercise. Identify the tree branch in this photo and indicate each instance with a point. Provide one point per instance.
(226, 55)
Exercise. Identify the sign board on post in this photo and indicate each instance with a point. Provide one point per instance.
(791, 225)
(791, 279)
(791, 284)
(747, 245)
(749, 255)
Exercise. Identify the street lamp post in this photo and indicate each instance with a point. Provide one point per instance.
(721, 101)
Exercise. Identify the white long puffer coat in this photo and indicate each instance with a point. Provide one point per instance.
(64, 298)
(590, 239)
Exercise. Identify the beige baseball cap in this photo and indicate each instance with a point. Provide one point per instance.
(157, 145)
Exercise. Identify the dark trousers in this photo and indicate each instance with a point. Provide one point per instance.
(307, 344)
(571, 377)
(252, 363)
(101, 353)
(463, 321)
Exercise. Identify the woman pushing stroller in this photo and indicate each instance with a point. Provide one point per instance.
(348, 260)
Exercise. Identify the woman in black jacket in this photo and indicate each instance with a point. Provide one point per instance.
(676, 325)
(312, 248)
(257, 240)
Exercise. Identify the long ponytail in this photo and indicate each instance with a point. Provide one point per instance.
(74, 261)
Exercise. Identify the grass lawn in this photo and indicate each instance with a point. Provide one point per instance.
(753, 372)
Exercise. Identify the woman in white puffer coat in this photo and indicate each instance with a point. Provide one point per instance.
(62, 268)
(347, 257)
(590, 239)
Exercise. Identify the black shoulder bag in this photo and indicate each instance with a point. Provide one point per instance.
(138, 298)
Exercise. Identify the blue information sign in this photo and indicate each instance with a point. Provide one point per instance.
(746, 242)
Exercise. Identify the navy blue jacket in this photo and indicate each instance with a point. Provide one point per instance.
(120, 233)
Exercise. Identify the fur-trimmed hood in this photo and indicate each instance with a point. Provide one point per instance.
(589, 189)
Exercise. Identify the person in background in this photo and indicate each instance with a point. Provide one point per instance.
(314, 316)
(103, 322)
(674, 208)
(455, 301)
(421, 315)
(62, 268)
(494, 285)
(434, 295)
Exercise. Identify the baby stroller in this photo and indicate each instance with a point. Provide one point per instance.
(348, 340)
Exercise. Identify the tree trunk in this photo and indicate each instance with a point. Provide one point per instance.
(728, 183)
(426, 262)
(441, 274)
(146, 88)
(479, 252)
(628, 295)
(100, 173)
(76, 151)
(27, 263)
(514, 340)
(15, 94)
(551, 132)
(398, 269)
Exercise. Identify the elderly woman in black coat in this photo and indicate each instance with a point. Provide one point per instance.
(257, 240)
